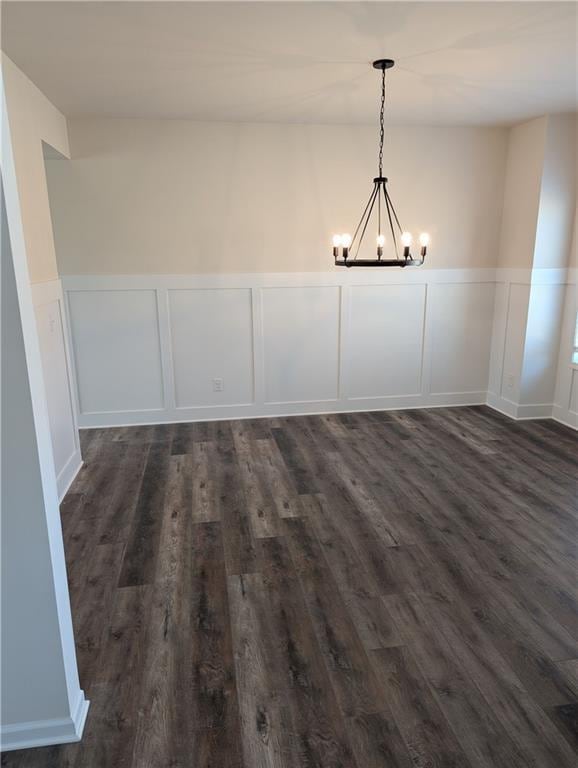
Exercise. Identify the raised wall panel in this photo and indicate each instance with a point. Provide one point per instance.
(385, 340)
(301, 343)
(460, 318)
(212, 338)
(574, 393)
(515, 334)
(542, 343)
(55, 372)
(501, 297)
(116, 346)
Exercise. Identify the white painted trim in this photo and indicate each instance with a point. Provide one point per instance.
(287, 414)
(165, 341)
(337, 277)
(43, 733)
(520, 412)
(501, 404)
(565, 416)
(344, 277)
(67, 474)
(256, 282)
(46, 293)
(535, 411)
(525, 276)
(271, 410)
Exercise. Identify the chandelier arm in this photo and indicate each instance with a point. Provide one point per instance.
(393, 209)
(367, 221)
(386, 196)
(368, 207)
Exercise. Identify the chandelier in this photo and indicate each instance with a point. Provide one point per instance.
(386, 218)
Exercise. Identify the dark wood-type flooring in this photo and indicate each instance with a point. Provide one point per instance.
(372, 590)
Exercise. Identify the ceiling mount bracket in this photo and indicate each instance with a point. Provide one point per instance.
(383, 63)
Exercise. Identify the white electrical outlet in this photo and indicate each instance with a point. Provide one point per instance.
(218, 385)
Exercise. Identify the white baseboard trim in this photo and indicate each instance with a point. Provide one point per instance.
(44, 733)
(502, 405)
(281, 410)
(565, 416)
(273, 410)
(535, 411)
(68, 473)
(519, 412)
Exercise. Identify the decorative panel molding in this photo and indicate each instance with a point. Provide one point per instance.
(58, 385)
(116, 348)
(385, 340)
(301, 344)
(460, 319)
(524, 351)
(212, 346)
(163, 348)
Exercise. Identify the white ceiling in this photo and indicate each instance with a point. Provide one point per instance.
(458, 62)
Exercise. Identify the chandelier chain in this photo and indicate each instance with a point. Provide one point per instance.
(381, 122)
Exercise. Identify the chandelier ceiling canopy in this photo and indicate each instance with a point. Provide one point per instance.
(380, 209)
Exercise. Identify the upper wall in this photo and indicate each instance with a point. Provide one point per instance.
(557, 195)
(144, 196)
(33, 119)
(526, 147)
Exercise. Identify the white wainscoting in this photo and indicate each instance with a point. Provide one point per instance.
(227, 354)
(56, 369)
(300, 326)
(525, 342)
(148, 348)
(566, 400)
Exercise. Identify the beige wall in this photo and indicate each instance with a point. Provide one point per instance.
(33, 119)
(539, 193)
(557, 194)
(526, 147)
(143, 196)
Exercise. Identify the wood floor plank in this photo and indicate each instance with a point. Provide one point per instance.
(319, 728)
(142, 546)
(359, 591)
(214, 697)
(341, 645)
(164, 689)
(426, 732)
(258, 492)
(481, 735)
(264, 714)
(533, 734)
(569, 669)
(204, 506)
(238, 539)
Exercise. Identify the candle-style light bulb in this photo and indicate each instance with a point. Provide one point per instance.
(424, 242)
(380, 244)
(345, 242)
(336, 244)
(406, 239)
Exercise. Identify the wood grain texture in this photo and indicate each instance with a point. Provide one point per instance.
(366, 590)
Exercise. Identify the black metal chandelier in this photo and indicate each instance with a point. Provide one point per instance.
(345, 245)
